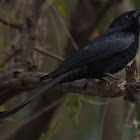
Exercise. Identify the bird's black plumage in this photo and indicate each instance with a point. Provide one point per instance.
(108, 53)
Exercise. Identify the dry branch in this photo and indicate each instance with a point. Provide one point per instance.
(45, 52)
(23, 49)
(133, 94)
(13, 25)
(133, 85)
(18, 81)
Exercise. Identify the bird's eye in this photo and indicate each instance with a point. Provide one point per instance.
(126, 16)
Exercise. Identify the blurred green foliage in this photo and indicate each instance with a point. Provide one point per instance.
(136, 3)
(73, 106)
(61, 7)
(51, 131)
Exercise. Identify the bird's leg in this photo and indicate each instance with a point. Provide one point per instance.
(114, 79)
(112, 76)
(102, 80)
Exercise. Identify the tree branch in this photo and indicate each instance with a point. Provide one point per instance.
(45, 52)
(23, 49)
(13, 25)
(35, 11)
(133, 84)
(19, 81)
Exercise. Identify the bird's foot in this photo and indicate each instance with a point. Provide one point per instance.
(111, 79)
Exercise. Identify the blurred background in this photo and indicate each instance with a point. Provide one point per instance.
(64, 26)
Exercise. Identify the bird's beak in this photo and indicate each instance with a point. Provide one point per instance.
(136, 14)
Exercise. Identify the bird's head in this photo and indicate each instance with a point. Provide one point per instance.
(128, 21)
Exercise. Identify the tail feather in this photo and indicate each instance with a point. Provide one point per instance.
(44, 78)
(51, 75)
(54, 81)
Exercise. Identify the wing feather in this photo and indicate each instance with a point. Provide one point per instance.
(104, 46)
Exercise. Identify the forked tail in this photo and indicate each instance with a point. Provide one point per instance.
(54, 81)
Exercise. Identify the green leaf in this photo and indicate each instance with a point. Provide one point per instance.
(52, 129)
(50, 132)
(73, 105)
(61, 7)
(136, 3)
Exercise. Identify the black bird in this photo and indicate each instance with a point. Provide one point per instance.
(110, 52)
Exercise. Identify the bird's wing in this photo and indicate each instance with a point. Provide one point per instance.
(104, 46)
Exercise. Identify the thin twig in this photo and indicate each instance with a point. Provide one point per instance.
(47, 4)
(131, 115)
(57, 33)
(13, 25)
(6, 61)
(2, 4)
(45, 52)
(34, 117)
(66, 30)
(102, 120)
